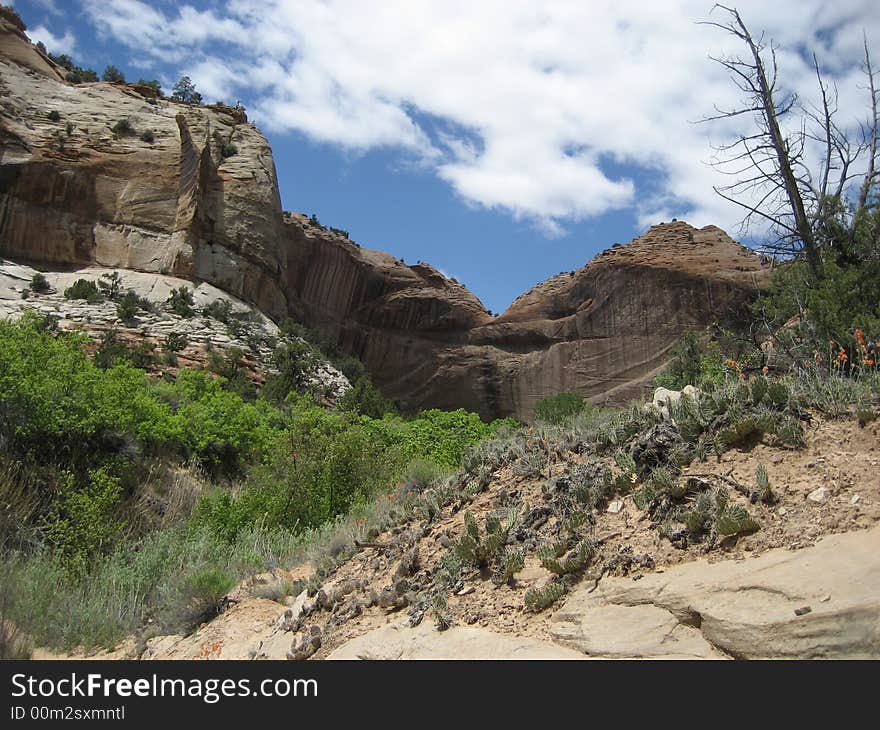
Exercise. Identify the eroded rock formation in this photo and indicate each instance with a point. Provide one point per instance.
(79, 187)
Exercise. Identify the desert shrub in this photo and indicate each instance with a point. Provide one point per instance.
(39, 284)
(148, 136)
(13, 643)
(54, 116)
(128, 306)
(201, 597)
(142, 354)
(419, 475)
(219, 309)
(692, 364)
(123, 127)
(558, 408)
(180, 301)
(110, 350)
(175, 342)
(111, 73)
(296, 362)
(84, 289)
(228, 150)
(151, 83)
(110, 285)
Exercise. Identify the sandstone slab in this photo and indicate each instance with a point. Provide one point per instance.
(744, 609)
(460, 642)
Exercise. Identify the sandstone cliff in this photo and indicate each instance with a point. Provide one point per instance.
(108, 175)
(602, 331)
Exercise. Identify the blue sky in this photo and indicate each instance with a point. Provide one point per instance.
(502, 142)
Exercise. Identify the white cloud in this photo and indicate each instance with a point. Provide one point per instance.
(548, 111)
(65, 44)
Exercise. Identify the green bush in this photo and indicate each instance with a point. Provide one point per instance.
(128, 306)
(123, 127)
(180, 301)
(81, 524)
(365, 399)
(39, 284)
(111, 73)
(148, 136)
(110, 350)
(691, 364)
(228, 150)
(54, 116)
(558, 408)
(84, 289)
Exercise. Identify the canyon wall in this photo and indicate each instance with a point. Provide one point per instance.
(109, 175)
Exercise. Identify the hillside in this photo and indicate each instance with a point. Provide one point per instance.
(798, 581)
(109, 175)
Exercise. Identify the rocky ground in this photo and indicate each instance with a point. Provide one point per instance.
(805, 584)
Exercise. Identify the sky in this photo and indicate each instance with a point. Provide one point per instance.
(503, 141)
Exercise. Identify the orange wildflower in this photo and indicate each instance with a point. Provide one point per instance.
(765, 369)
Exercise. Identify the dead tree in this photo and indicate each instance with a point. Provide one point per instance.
(773, 177)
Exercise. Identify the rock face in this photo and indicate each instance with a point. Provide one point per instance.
(82, 188)
(820, 602)
(602, 331)
(79, 189)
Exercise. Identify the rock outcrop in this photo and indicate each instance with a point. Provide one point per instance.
(820, 602)
(108, 175)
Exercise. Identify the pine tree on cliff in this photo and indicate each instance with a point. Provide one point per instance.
(185, 91)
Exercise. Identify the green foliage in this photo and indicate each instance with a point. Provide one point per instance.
(419, 475)
(153, 84)
(39, 284)
(123, 127)
(128, 306)
(219, 309)
(364, 398)
(228, 150)
(111, 73)
(81, 523)
(559, 408)
(54, 116)
(185, 91)
(142, 354)
(822, 309)
(84, 289)
(175, 342)
(441, 436)
(180, 301)
(75, 74)
(691, 364)
(148, 136)
(110, 285)
(110, 350)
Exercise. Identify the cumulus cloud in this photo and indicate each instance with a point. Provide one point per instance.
(55, 44)
(552, 113)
